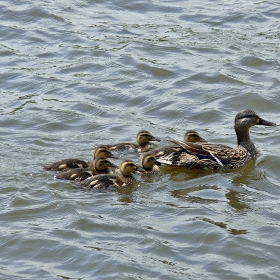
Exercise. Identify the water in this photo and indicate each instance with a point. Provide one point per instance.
(75, 74)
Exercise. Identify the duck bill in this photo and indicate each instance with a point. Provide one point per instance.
(157, 163)
(266, 123)
(112, 156)
(113, 165)
(202, 140)
(155, 139)
(139, 169)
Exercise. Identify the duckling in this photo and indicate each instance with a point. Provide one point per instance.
(143, 138)
(165, 151)
(215, 156)
(127, 167)
(71, 163)
(149, 164)
(101, 166)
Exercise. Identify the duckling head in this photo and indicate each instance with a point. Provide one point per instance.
(102, 163)
(128, 167)
(193, 136)
(148, 162)
(102, 151)
(144, 137)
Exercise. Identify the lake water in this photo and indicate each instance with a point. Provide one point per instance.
(75, 74)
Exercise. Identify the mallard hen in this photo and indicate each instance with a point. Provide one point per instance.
(214, 156)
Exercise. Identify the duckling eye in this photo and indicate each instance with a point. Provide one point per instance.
(250, 116)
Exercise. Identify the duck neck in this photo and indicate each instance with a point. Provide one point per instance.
(243, 140)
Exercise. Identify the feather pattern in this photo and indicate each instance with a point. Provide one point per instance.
(143, 138)
(71, 163)
(127, 167)
(166, 154)
(101, 166)
(214, 156)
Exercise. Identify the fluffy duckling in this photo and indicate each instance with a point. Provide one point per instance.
(127, 167)
(102, 165)
(164, 152)
(71, 163)
(143, 138)
(149, 164)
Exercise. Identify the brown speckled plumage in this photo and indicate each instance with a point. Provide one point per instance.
(71, 163)
(143, 138)
(101, 166)
(164, 152)
(127, 167)
(214, 156)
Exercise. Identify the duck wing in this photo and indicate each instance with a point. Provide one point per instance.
(163, 151)
(102, 181)
(65, 164)
(122, 147)
(79, 174)
(222, 154)
(225, 155)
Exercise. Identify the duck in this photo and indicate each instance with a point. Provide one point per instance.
(104, 181)
(164, 152)
(102, 165)
(143, 138)
(71, 163)
(150, 164)
(216, 156)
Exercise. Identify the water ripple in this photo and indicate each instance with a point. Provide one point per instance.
(78, 74)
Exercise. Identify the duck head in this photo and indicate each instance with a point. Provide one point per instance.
(101, 151)
(148, 162)
(193, 136)
(102, 163)
(128, 167)
(247, 118)
(144, 137)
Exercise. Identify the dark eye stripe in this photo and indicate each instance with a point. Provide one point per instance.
(247, 116)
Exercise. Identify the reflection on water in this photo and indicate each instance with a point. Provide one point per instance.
(236, 200)
(245, 174)
(197, 194)
(224, 226)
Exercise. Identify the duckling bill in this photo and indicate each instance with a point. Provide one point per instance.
(150, 164)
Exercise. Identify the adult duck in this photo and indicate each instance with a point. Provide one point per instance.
(214, 156)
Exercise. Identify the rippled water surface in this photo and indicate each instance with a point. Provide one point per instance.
(75, 74)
